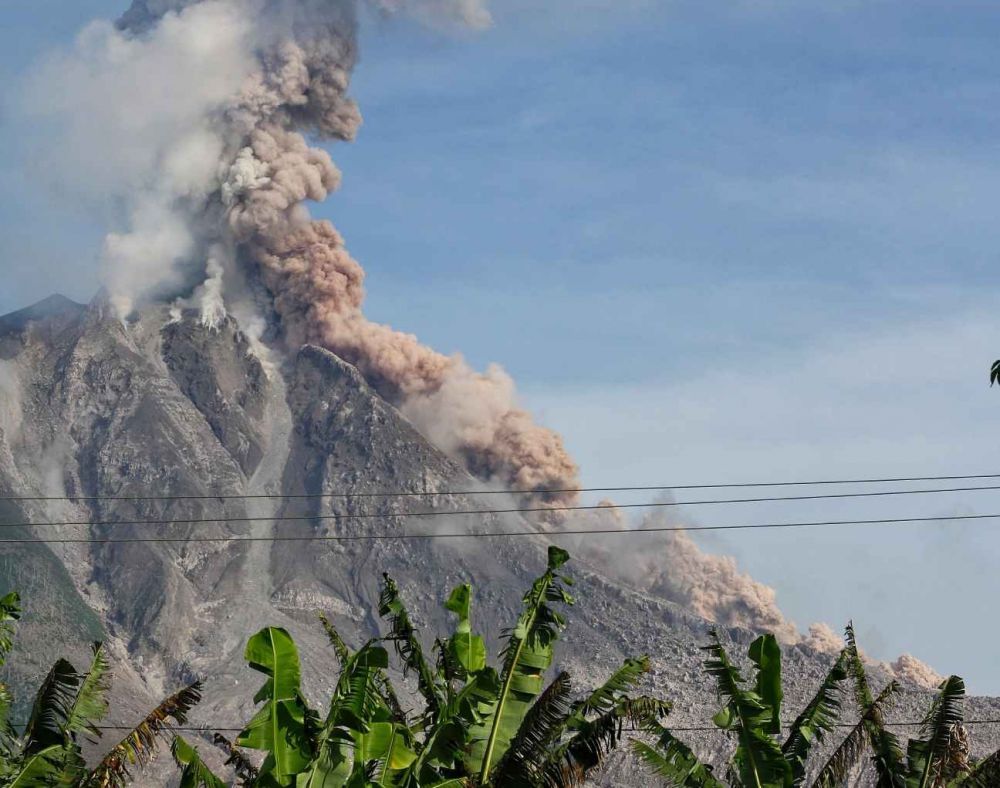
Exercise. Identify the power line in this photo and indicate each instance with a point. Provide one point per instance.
(532, 491)
(689, 728)
(513, 510)
(493, 534)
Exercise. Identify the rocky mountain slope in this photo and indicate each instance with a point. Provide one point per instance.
(201, 417)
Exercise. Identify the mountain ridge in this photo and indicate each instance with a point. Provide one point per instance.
(164, 405)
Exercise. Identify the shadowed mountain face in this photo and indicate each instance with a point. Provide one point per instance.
(234, 443)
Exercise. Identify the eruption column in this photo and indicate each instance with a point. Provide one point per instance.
(303, 53)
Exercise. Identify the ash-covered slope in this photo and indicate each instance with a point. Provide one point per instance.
(204, 420)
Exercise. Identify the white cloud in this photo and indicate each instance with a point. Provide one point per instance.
(907, 399)
(117, 106)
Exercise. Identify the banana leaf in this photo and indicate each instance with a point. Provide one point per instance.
(279, 727)
(526, 657)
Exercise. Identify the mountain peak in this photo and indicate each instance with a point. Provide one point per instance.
(55, 305)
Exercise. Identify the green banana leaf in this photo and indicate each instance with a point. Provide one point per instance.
(390, 746)
(279, 727)
(194, 773)
(766, 656)
(356, 706)
(527, 655)
(758, 759)
(927, 757)
(44, 768)
(466, 649)
(10, 611)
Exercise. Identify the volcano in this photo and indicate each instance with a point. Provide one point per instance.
(228, 462)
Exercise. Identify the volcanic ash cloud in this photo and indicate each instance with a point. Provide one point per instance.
(204, 111)
(190, 121)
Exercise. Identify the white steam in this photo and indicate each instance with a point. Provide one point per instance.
(135, 135)
(193, 119)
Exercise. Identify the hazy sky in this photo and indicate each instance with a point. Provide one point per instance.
(729, 241)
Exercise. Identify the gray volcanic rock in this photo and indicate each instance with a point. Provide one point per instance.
(190, 435)
(224, 381)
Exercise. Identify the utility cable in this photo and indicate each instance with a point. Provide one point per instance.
(512, 510)
(689, 728)
(493, 534)
(532, 491)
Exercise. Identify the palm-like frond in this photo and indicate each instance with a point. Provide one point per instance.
(985, 774)
(541, 727)
(572, 762)
(194, 772)
(929, 756)
(527, 654)
(850, 751)
(674, 761)
(244, 770)
(447, 666)
(390, 697)
(816, 720)
(10, 612)
(7, 732)
(138, 748)
(339, 646)
(344, 656)
(48, 767)
(90, 704)
(407, 643)
(887, 756)
(603, 699)
(758, 759)
(856, 668)
(51, 708)
(729, 681)
(358, 693)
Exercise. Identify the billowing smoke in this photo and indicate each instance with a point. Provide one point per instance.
(714, 587)
(191, 120)
(670, 565)
(910, 669)
(822, 638)
(202, 109)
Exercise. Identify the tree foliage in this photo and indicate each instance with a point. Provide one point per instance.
(938, 758)
(479, 725)
(68, 706)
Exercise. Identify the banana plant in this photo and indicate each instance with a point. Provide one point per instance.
(10, 613)
(869, 732)
(526, 656)
(752, 715)
(68, 706)
(479, 726)
(937, 759)
(279, 727)
(934, 760)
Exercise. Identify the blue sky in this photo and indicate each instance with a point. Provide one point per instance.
(712, 241)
